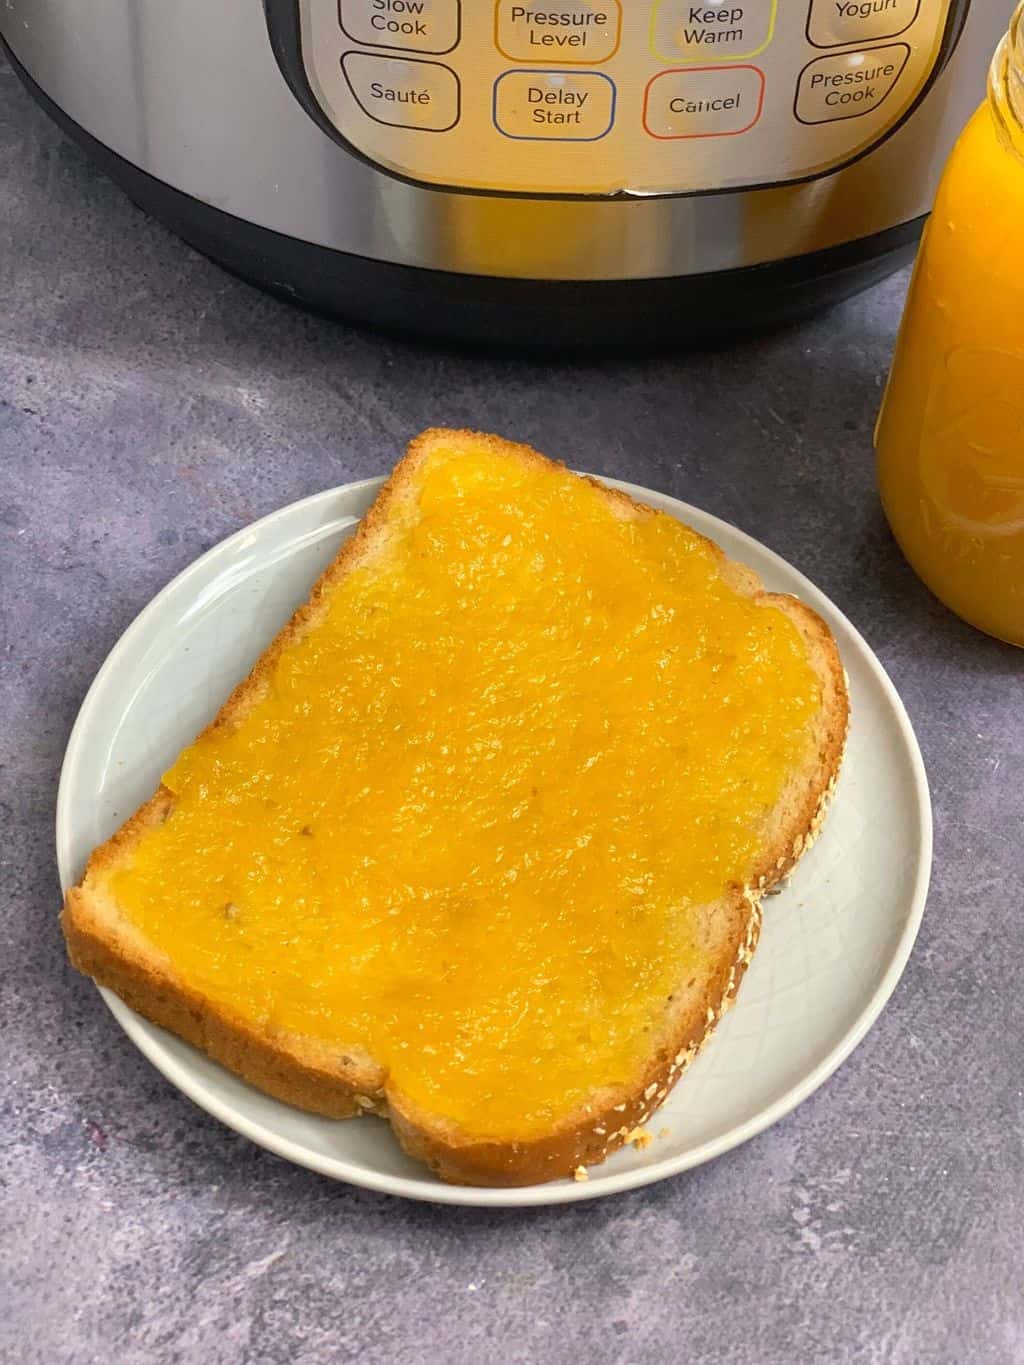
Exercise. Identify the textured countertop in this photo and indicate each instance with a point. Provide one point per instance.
(149, 405)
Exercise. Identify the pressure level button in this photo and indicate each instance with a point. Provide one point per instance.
(569, 32)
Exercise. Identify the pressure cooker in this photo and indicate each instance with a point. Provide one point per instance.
(551, 172)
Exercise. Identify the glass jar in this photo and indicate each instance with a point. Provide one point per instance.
(950, 436)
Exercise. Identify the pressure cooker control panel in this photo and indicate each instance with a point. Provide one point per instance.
(609, 96)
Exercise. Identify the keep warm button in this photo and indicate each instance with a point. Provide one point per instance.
(404, 91)
(556, 106)
(849, 84)
(712, 30)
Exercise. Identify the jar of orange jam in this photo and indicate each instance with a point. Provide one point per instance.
(950, 437)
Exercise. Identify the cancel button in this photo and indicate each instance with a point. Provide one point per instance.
(716, 102)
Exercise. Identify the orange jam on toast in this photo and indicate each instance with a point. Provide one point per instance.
(466, 824)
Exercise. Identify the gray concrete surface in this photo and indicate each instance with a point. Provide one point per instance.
(149, 405)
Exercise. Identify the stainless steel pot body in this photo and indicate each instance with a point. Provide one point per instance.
(288, 116)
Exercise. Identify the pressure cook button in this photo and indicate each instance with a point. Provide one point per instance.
(835, 23)
(848, 84)
(712, 31)
(403, 91)
(555, 106)
(413, 25)
(566, 31)
(715, 101)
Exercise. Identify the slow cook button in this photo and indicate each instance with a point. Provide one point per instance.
(556, 106)
(415, 25)
(835, 23)
(565, 31)
(848, 84)
(714, 102)
(403, 91)
(715, 31)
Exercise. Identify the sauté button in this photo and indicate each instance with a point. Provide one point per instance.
(557, 106)
(848, 84)
(712, 31)
(414, 25)
(403, 91)
(570, 32)
(704, 102)
(835, 23)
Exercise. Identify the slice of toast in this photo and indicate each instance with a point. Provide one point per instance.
(480, 843)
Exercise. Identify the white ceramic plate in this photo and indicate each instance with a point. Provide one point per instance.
(834, 943)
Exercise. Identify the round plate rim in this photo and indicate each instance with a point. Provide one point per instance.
(148, 1038)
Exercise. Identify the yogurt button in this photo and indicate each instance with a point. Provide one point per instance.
(835, 23)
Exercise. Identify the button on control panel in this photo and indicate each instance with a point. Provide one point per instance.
(412, 25)
(558, 106)
(562, 31)
(850, 84)
(712, 31)
(402, 92)
(598, 97)
(712, 101)
(835, 23)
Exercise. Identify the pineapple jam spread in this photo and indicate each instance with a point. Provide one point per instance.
(467, 824)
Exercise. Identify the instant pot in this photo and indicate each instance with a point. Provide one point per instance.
(616, 171)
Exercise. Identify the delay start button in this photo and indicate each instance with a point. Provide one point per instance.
(412, 25)
(848, 84)
(565, 31)
(554, 106)
(403, 91)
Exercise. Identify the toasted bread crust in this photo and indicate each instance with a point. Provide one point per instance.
(343, 1081)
